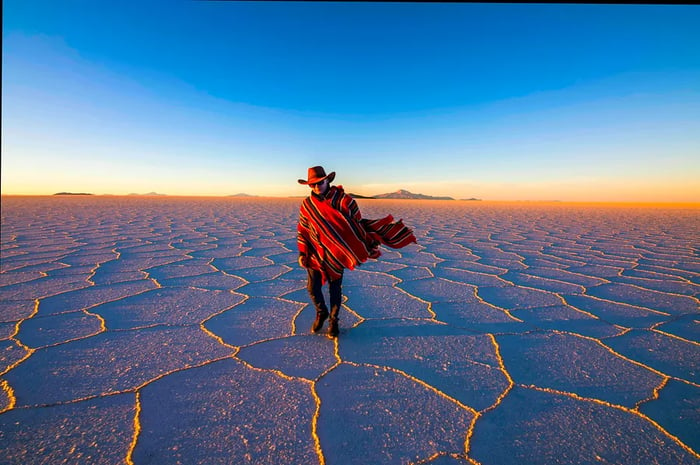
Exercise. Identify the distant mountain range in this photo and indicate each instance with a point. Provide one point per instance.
(401, 194)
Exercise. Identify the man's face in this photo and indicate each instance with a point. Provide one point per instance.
(320, 188)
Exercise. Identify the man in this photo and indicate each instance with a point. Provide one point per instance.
(332, 236)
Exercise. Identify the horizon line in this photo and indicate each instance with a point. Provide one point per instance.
(695, 203)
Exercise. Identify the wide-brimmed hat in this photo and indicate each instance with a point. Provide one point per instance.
(317, 174)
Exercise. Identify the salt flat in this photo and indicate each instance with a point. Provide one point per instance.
(176, 331)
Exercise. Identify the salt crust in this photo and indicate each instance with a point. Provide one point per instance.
(175, 330)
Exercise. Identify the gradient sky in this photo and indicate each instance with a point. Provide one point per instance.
(495, 101)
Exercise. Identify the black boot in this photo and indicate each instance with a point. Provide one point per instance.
(320, 319)
(333, 327)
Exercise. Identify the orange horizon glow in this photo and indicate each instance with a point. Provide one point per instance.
(436, 203)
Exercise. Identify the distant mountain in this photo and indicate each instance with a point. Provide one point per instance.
(404, 194)
(242, 195)
(72, 193)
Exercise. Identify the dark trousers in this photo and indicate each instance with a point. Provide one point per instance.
(316, 293)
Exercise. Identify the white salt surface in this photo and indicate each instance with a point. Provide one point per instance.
(176, 331)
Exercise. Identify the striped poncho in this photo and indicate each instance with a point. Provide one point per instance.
(332, 235)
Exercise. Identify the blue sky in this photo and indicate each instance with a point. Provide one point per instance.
(495, 101)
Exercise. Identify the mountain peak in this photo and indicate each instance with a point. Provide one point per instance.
(404, 194)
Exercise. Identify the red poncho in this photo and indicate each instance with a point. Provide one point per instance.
(332, 235)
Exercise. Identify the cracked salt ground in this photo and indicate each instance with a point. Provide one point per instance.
(165, 330)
